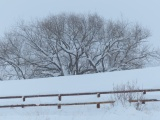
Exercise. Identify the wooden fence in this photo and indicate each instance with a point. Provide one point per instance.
(144, 91)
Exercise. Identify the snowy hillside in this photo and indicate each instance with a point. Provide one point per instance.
(17, 59)
(146, 78)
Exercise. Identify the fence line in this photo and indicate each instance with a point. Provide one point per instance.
(144, 91)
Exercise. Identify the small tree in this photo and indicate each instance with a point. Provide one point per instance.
(124, 98)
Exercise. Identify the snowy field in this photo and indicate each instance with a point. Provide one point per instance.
(142, 12)
(146, 79)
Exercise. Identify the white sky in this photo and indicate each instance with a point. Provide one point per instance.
(145, 12)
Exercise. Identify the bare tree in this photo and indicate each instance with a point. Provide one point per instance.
(74, 44)
(11, 55)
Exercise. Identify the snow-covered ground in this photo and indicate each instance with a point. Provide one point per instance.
(146, 78)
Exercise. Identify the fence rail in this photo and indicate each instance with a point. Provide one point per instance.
(144, 91)
(79, 94)
(58, 105)
(71, 104)
(146, 100)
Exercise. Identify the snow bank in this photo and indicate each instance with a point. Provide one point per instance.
(146, 78)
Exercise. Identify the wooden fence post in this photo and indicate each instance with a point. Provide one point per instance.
(144, 92)
(22, 106)
(98, 105)
(143, 102)
(59, 106)
(23, 99)
(98, 95)
(59, 97)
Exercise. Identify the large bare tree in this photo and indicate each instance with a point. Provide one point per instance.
(69, 44)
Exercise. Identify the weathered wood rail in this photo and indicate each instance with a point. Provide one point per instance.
(144, 91)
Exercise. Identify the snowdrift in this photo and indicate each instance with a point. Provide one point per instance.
(148, 78)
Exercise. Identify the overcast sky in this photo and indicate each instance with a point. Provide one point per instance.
(144, 12)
